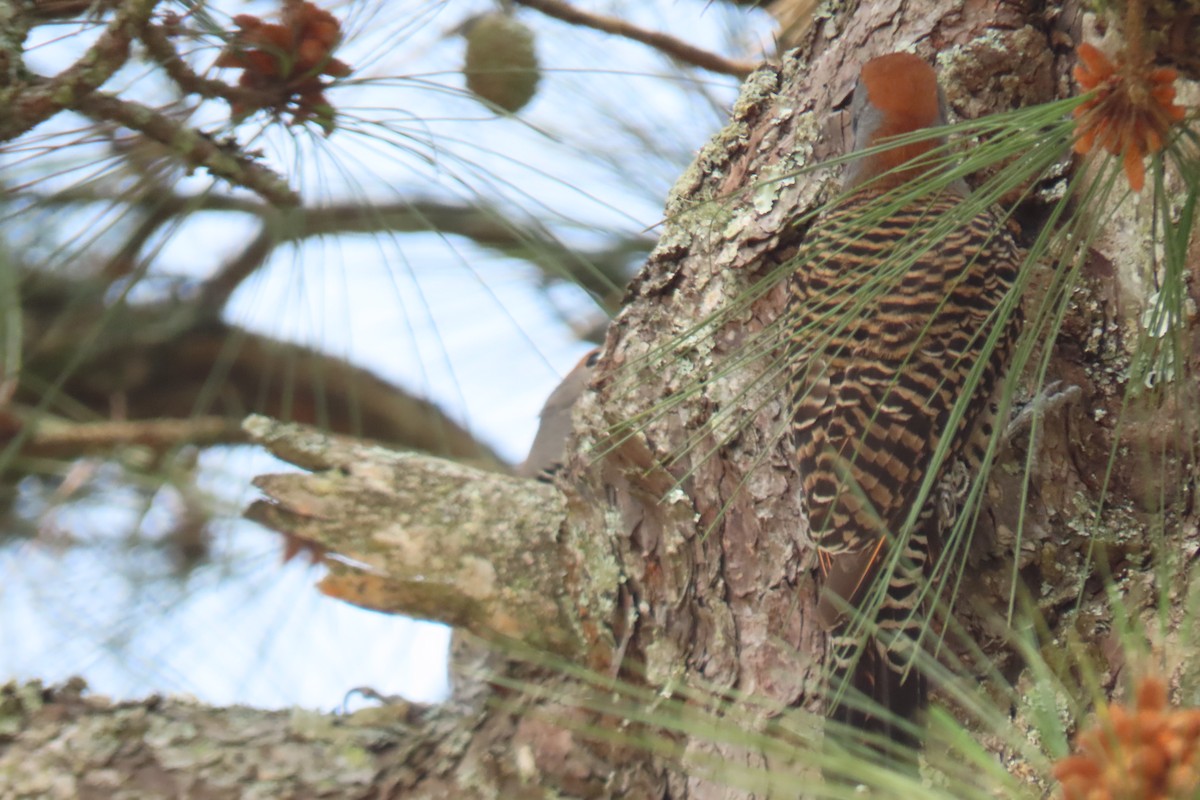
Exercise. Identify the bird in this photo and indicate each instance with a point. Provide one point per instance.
(889, 314)
(546, 453)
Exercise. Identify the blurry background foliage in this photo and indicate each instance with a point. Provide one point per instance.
(377, 244)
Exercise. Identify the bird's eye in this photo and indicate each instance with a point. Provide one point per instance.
(854, 102)
(593, 358)
(848, 100)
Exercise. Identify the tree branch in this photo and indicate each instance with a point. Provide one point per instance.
(125, 260)
(161, 50)
(191, 146)
(424, 537)
(220, 287)
(53, 439)
(165, 361)
(33, 101)
(37, 99)
(675, 48)
(65, 9)
(60, 742)
(602, 273)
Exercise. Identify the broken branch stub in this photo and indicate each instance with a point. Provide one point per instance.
(405, 533)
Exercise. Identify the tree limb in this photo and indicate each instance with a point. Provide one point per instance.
(163, 361)
(55, 439)
(675, 48)
(601, 272)
(191, 146)
(408, 534)
(57, 742)
(65, 9)
(158, 44)
(30, 102)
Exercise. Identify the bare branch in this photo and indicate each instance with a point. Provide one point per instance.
(162, 51)
(65, 9)
(176, 747)
(28, 103)
(168, 362)
(675, 48)
(221, 286)
(601, 273)
(175, 203)
(191, 146)
(53, 439)
(125, 260)
(425, 537)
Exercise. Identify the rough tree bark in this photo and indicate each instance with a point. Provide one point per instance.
(668, 565)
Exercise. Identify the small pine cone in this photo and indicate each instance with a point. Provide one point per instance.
(501, 65)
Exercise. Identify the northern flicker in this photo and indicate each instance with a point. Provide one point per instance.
(889, 316)
(546, 454)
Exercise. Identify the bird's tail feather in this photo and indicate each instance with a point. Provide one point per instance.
(876, 704)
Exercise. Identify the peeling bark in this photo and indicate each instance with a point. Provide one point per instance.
(423, 536)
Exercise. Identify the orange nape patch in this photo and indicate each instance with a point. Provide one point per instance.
(905, 89)
(901, 93)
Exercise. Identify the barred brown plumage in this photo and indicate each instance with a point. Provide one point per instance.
(893, 319)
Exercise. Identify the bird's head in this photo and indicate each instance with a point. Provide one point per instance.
(896, 94)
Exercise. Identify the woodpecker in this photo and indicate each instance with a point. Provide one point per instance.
(546, 454)
(887, 322)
